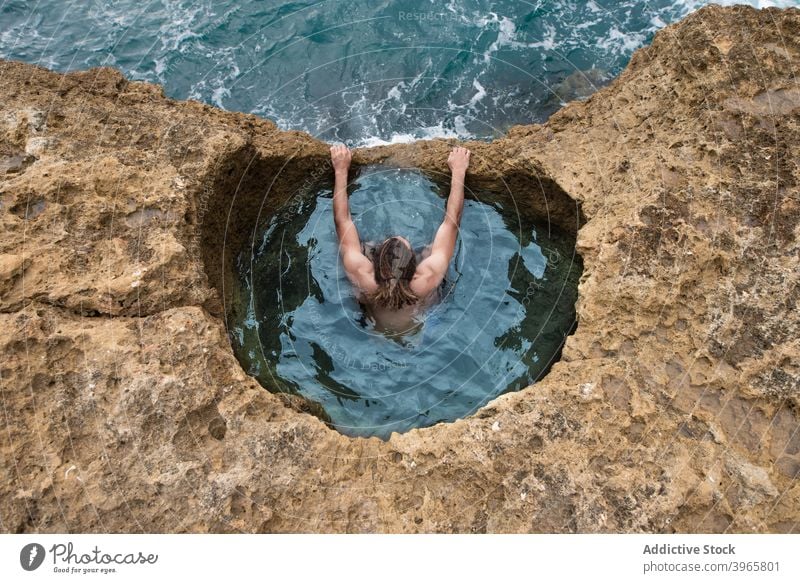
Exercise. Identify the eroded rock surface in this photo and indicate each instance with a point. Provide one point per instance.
(674, 408)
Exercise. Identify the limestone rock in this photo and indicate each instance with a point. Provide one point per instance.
(674, 406)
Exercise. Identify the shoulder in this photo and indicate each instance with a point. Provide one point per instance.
(366, 284)
(359, 270)
(426, 278)
(355, 261)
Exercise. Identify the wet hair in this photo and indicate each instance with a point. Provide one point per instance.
(395, 264)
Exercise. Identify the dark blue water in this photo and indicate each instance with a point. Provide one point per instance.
(352, 70)
(507, 304)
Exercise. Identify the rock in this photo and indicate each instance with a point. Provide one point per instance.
(11, 267)
(753, 482)
(126, 411)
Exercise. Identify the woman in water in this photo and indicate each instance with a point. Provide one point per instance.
(395, 288)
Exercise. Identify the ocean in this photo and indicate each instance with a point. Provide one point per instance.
(363, 73)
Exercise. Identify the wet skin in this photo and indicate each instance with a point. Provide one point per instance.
(430, 271)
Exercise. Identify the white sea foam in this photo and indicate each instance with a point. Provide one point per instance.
(481, 93)
(394, 92)
(218, 95)
(179, 27)
(591, 5)
(427, 133)
(657, 23)
(617, 41)
(161, 65)
(461, 127)
(506, 33)
(548, 41)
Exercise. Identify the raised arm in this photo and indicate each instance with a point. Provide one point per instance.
(431, 271)
(357, 266)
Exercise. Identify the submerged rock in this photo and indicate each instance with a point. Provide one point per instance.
(674, 406)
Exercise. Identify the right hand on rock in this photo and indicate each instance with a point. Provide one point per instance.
(458, 159)
(340, 157)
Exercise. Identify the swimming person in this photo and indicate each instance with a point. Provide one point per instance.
(392, 285)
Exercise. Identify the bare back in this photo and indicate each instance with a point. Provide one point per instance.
(429, 273)
(407, 319)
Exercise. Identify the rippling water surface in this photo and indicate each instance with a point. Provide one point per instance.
(363, 72)
(508, 302)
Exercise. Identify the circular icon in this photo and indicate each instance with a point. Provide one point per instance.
(31, 556)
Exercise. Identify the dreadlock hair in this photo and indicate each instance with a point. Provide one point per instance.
(395, 265)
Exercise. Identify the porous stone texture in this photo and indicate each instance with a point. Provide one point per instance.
(674, 407)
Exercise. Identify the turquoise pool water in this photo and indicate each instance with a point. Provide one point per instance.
(508, 302)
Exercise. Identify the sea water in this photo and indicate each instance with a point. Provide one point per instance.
(352, 70)
(506, 306)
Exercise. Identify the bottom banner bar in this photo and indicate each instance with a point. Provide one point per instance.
(388, 558)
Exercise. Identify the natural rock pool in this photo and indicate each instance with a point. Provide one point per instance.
(507, 304)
